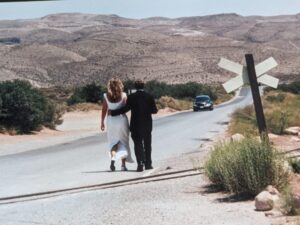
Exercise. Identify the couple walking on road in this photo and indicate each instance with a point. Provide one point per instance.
(142, 106)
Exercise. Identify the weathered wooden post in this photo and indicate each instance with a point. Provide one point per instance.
(260, 117)
(252, 74)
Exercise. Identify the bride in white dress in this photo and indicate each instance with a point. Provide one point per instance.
(117, 126)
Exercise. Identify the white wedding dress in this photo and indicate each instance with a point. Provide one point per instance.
(118, 131)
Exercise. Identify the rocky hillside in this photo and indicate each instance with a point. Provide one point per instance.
(73, 49)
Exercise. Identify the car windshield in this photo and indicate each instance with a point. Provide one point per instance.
(202, 98)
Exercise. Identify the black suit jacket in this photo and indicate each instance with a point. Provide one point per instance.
(142, 105)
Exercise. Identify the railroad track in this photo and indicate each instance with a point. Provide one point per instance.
(109, 185)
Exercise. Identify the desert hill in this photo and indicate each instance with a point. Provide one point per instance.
(73, 49)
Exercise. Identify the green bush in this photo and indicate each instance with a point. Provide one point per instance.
(246, 167)
(92, 93)
(128, 85)
(179, 91)
(24, 107)
(158, 89)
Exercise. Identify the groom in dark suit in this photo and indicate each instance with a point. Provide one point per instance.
(142, 106)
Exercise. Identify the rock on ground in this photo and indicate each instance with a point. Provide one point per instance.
(267, 199)
(292, 130)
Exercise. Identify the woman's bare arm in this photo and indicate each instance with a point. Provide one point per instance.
(103, 115)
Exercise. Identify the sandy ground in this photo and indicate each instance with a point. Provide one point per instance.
(289, 144)
(76, 125)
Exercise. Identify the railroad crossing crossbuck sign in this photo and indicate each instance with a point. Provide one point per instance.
(252, 75)
(242, 73)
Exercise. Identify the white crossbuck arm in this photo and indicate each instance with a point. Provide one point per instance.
(242, 73)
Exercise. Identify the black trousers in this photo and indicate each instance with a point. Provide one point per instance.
(142, 147)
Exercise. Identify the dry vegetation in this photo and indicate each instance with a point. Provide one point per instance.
(169, 102)
(281, 111)
(84, 107)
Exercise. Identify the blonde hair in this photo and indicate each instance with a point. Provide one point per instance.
(114, 90)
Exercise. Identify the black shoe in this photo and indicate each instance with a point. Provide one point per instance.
(140, 168)
(148, 167)
(112, 165)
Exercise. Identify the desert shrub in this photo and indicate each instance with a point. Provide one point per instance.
(59, 111)
(58, 94)
(286, 202)
(277, 121)
(293, 87)
(76, 98)
(24, 107)
(176, 104)
(1, 109)
(295, 164)
(128, 85)
(276, 98)
(157, 89)
(92, 93)
(191, 90)
(246, 167)
(180, 91)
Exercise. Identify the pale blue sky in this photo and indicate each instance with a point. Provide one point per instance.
(149, 8)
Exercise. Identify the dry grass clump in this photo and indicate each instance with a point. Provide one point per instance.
(243, 121)
(173, 103)
(286, 205)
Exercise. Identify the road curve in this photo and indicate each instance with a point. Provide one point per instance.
(85, 161)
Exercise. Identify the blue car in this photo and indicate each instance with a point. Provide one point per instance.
(203, 102)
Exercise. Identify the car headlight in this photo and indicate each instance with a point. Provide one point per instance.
(208, 104)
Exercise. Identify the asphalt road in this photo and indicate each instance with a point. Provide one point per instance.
(86, 161)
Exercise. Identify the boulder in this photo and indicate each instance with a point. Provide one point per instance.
(237, 137)
(267, 199)
(296, 200)
(264, 201)
(292, 130)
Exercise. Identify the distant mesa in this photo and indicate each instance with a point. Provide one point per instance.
(75, 49)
